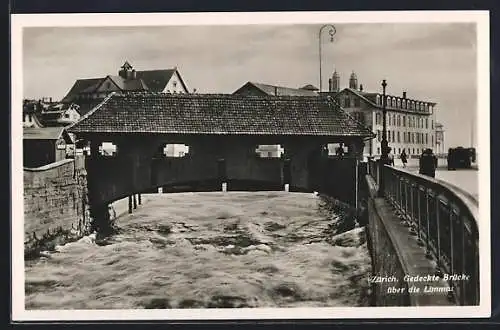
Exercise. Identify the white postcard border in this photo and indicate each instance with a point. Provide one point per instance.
(157, 19)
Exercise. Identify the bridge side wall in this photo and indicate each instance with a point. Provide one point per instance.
(396, 254)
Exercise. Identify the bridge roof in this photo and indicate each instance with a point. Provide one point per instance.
(159, 113)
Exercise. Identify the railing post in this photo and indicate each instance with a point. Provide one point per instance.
(438, 236)
(427, 236)
(412, 213)
(419, 217)
(463, 286)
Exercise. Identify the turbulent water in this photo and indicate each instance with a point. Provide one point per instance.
(199, 250)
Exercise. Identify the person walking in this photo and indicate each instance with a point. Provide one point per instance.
(391, 157)
(404, 158)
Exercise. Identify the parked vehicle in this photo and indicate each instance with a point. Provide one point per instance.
(460, 157)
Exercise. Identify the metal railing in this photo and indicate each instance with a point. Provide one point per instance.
(444, 222)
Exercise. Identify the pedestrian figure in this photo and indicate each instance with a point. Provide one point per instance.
(390, 157)
(427, 163)
(404, 158)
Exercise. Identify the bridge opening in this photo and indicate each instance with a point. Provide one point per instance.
(269, 150)
(108, 149)
(175, 150)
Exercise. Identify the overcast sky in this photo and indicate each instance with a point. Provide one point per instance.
(432, 62)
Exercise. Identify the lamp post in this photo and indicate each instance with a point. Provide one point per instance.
(332, 32)
(384, 145)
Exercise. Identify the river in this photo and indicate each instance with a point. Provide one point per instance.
(211, 250)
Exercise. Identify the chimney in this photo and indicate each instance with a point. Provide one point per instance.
(134, 74)
(404, 95)
(361, 87)
(330, 81)
(276, 90)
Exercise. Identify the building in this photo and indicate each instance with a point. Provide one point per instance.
(410, 122)
(87, 93)
(439, 132)
(60, 114)
(42, 146)
(31, 113)
(259, 89)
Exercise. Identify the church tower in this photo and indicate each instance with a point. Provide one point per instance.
(335, 82)
(353, 81)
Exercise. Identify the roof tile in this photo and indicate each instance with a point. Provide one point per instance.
(219, 114)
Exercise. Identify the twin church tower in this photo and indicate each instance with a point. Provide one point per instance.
(334, 82)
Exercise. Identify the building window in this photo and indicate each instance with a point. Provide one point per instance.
(404, 137)
(413, 149)
(378, 150)
(357, 102)
(399, 140)
(399, 120)
(426, 138)
(432, 124)
(174, 83)
(426, 122)
(393, 134)
(404, 121)
(379, 135)
(432, 140)
(388, 136)
(418, 151)
(399, 103)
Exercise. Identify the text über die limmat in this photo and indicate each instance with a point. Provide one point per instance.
(433, 283)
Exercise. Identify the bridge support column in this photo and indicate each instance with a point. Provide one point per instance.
(139, 197)
(129, 204)
(101, 222)
(135, 202)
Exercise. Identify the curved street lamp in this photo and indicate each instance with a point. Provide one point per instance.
(331, 32)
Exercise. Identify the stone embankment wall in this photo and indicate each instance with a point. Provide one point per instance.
(55, 203)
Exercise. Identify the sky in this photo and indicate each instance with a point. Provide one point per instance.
(434, 62)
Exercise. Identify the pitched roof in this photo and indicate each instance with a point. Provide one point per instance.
(152, 80)
(156, 80)
(83, 85)
(46, 133)
(278, 90)
(310, 87)
(219, 114)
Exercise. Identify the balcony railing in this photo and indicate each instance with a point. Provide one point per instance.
(444, 222)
